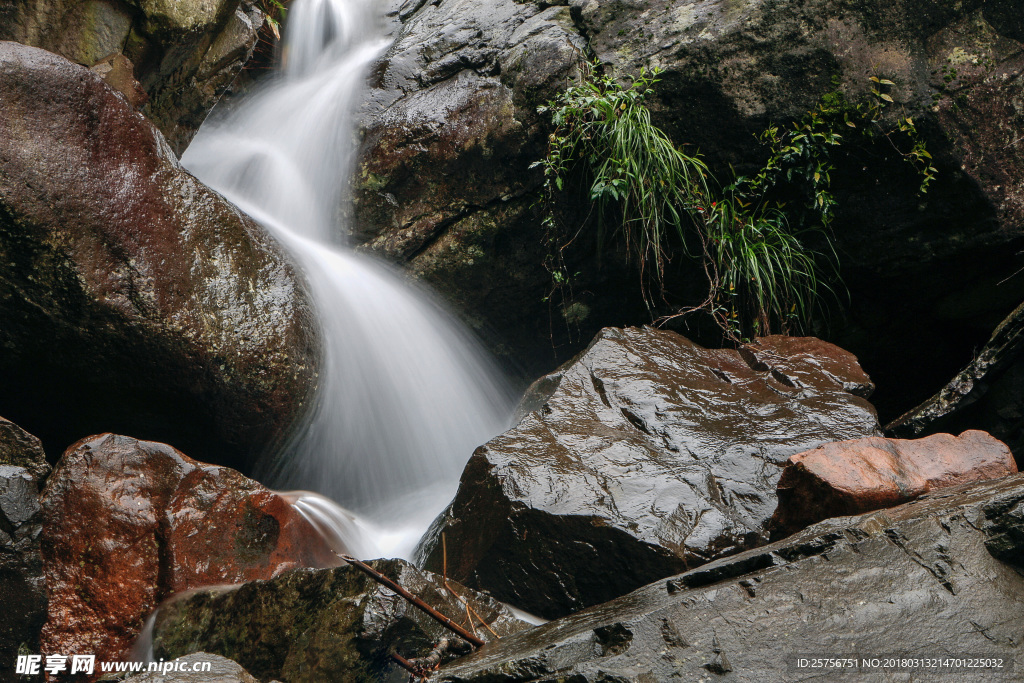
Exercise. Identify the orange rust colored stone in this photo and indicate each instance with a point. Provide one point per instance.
(127, 523)
(860, 475)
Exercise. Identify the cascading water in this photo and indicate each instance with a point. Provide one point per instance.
(405, 395)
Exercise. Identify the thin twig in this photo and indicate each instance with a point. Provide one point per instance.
(469, 610)
(433, 613)
(407, 665)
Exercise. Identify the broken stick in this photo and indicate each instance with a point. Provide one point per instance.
(433, 613)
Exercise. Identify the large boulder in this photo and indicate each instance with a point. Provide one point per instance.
(323, 625)
(134, 299)
(852, 477)
(23, 470)
(646, 455)
(184, 52)
(128, 523)
(444, 184)
(936, 578)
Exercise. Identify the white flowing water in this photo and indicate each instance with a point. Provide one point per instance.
(404, 394)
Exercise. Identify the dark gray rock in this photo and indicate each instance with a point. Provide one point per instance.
(987, 394)
(450, 132)
(645, 456)
(943, 266)
(132, 297)
(321, 625)
(23, 470)
(912, 581)
(185, 52)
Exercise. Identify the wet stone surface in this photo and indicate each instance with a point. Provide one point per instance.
(184, 52)
(133, 298)
(322, 625)
(852, 477)
(129, 523)
(935, 577)
(23, 470)
(645, 456)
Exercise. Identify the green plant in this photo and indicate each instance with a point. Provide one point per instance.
(637, 174)
(760, 275)
(753, 234)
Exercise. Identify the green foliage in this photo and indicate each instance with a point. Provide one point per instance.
(762, 277)
(637, 173)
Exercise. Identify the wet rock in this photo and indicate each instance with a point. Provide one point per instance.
(132, 297)
(917, 580)
(853, 477)
(192, 669)
(916, 267)
(987, 394)
(185, 52)
(128, 523)
(646, 455)
(23, 470)
(449, 130)
(321, 625)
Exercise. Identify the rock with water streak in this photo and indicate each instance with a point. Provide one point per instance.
(128, 523)
(852, 477)
(23, 470)
(133, 298)
(646, 455)
(322, 625)
(185, 53)
(449, 129)
(938, 577)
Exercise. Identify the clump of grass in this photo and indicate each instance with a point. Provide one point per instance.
(639, 177)
(760, 275)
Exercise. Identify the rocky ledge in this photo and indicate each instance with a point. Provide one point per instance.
(941, 576)
(323, 625)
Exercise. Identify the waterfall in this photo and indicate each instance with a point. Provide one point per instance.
(405, 394)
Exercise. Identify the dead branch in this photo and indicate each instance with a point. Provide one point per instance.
(470, 612)
(433, 613)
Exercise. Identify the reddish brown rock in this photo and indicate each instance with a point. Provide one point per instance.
(133, 299)
(857, 476)
(127, 523)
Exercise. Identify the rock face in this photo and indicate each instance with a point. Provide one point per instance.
(852, 477)
(931, 578)
(133, 298)
(23, 470)
(986, 394)
(128, 523)
(451, 130)
(646, 455)
(185, 52)
(320, 625)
